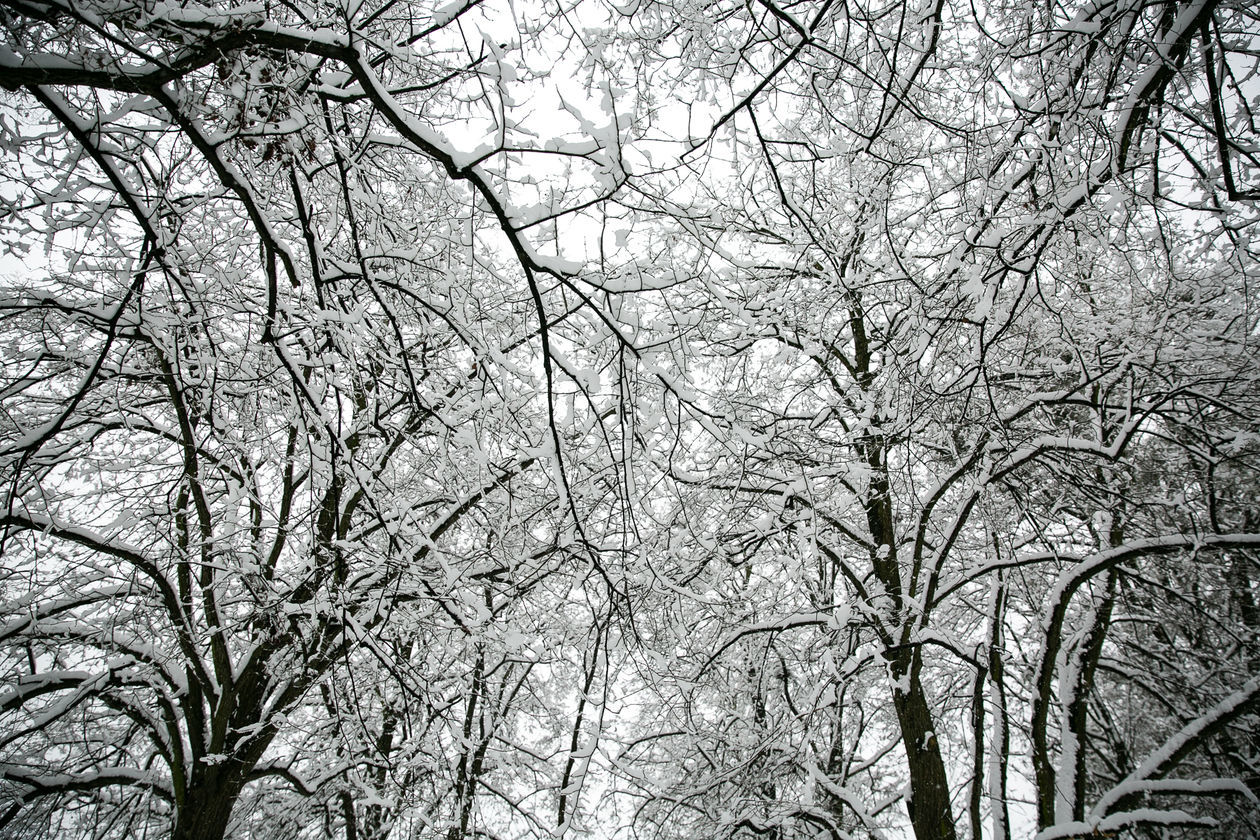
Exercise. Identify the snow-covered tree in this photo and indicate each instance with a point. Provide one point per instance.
(715, 419)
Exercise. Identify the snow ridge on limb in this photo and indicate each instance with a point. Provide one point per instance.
(1053, 626)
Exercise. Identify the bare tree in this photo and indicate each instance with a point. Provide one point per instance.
(803, 420)
(959, 304)
(292, 374)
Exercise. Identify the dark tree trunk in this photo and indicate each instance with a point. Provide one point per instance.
(929, 806)
(207, 806)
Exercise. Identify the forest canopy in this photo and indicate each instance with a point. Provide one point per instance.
(661, 419)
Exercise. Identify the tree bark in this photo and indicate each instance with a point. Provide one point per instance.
(207, 807)
(928, 804)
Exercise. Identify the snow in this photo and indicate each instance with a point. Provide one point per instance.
(1164, 759)
(1115, 822)
(703, 497)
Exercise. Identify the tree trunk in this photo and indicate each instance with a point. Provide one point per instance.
(208, 803)
(928, 805)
